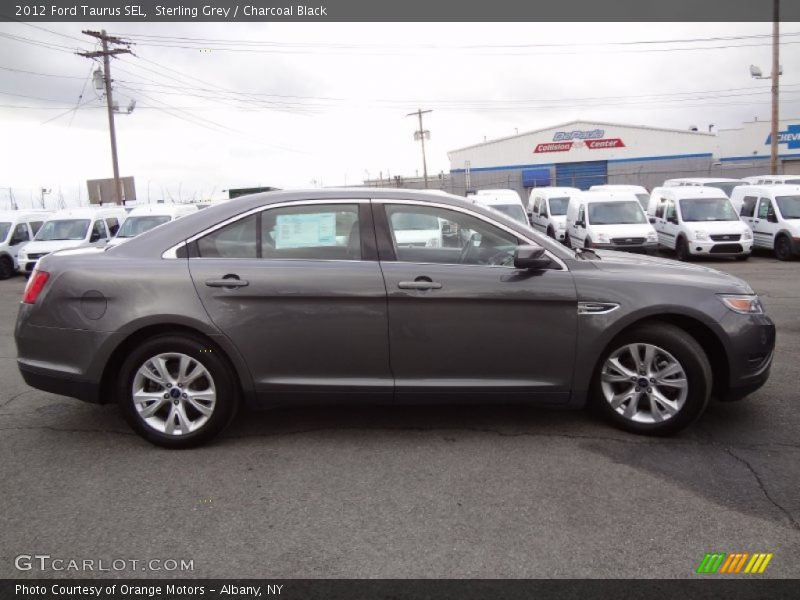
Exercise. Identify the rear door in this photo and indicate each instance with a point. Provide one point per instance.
(298, 289)
(668, 232)
(748, 211)
(463, 322)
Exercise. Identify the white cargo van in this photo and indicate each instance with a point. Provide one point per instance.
(71, 228)
(773, 214)
(774, 179)
(548, 210)
(726, 185)
(144, 218)
(609, 220)
(17, 228)
(699, 221)
(639, 191)
(507, 202)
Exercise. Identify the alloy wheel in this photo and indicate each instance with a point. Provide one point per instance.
(644, 383)
(174, 393)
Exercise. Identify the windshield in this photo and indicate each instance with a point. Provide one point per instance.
(725, 186)
(134, 226)
(414, 222)
(789, 206)
(558, 206)
(63, 229)
(515, 211)
(4, 227)
(615, 213)
(644, 200)
(708, 209)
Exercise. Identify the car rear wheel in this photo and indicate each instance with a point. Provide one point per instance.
(551, 233)
(655, 379)
(176, 392)
(6, 267)
(783, 248)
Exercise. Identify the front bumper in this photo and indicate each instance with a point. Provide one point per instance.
(27, 265)
(720, 248)
(752, 347)
(645, 248)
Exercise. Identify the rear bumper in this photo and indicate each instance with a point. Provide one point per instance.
(59, 382)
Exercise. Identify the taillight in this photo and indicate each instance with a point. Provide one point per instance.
(35, 286)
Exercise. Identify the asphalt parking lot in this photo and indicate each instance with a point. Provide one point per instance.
(453, 492)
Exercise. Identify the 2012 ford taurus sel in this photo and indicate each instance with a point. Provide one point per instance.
(390, 296)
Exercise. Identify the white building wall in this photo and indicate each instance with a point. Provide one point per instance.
(633, 143)
(750, 141)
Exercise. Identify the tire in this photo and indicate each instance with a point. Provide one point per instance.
(682, 249)
(587, 242)
(567, 241)
(551, 233)
(635, 412)
(178, 412)
(783, 248)
(6, 267)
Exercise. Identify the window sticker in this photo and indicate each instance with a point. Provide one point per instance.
(305, 231)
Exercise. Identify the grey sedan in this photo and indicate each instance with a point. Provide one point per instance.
(392, 296)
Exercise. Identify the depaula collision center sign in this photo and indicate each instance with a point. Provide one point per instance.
(593, 139)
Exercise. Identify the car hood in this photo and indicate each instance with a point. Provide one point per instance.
(665, 270)
(559, 219)
(625, 230)
(39, 247)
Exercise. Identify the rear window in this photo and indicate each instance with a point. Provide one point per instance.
(615, 213)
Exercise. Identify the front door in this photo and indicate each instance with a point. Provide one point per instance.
(297, 288)
(463, 321)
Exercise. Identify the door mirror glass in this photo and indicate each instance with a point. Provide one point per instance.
(672, 219)
(530, 257)
(580, 224)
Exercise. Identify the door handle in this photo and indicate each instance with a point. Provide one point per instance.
(227, 282)
(419, 285)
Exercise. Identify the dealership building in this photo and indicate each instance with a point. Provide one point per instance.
(585, 153)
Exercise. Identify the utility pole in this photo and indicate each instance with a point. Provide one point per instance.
(773, 163)
(420, 135)
(107, 53)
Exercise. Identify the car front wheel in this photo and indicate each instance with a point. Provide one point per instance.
(783, 248)
(655, 379)
(176, 391)
(682, 249)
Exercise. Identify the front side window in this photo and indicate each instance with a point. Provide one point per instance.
(113, 225)
(63, 229)
(764, 208)
(660, 209)
(450, 237)
(615, 213)
(708, 209)
(558, 206)
(669, 210)
(134, 226)
(789, 206)
(582, 214)
(306, 232)
(98, 231)
(21, 233)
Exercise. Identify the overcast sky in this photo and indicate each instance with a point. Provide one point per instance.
(301, 105)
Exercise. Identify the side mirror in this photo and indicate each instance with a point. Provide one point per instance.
(580, 224)
(14, 241)
(530, 257)
(543, 213)
(652, 220)
(95, 237)
(772, 218)
(673, 220)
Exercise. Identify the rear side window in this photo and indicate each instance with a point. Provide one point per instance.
(748, 206)
(307, 232)
(99, 230)
(660, 208)
(669, 210)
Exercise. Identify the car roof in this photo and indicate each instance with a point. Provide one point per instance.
(702, 180)
(607, 196)
(690, 191)
(769, 190)
(490, 199)
(162, 209)
(552, 191)
(610, 187)
(21, 214)
(85, 212)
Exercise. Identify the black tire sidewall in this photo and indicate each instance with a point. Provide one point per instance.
(207, 355)
(682, 249)
(6, 267)
(691, 357)
(779, 254)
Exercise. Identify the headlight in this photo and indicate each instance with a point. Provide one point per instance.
(700, 235)
(747, 235)
(602, 237)
(745, 304)
(652, 237)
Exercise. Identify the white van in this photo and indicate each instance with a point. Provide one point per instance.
(71, 228)
(609, 220)
(773, 214)
(144, 218)
(507, 202)
(548, 210)
(17, 228)
(699, 221)
(726, 185)
(774, 179)
(637, 190)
